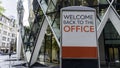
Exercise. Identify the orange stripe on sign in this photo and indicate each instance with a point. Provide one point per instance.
(79, 52)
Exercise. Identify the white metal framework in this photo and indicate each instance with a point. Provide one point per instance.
(110, 14)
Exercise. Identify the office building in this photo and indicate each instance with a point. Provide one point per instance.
(43, 35)
(8, 31)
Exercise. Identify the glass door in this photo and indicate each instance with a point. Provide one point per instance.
(113, 54)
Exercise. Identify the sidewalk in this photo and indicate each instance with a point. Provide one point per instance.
(6, 62)
(12, 62)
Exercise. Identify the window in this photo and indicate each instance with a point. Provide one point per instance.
(0, 18)
(3, 44)
(4, 38)
(13, 35)
(8, 34)
(12, 40)
(5, 32)
(8, 39)
(7, 44)
(5, 27)
(4, 20)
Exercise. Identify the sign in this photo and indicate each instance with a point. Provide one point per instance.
(78, 28)
(79, 38)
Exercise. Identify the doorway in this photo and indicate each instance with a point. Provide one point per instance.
(112, 54)
(109, 47)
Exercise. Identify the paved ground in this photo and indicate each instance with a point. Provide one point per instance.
(6, 62)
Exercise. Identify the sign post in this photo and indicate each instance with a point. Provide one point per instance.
(79, 38)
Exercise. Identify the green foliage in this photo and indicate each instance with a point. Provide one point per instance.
(27, 29)
(54, 43)
(1, 8)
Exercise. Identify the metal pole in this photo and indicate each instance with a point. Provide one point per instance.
(45, 48)
(51, 49)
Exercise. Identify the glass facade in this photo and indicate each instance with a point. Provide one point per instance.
(112, 44)
(32, 32)
(50, 10)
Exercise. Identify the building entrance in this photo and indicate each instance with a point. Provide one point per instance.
(109, 44)
(113, 54)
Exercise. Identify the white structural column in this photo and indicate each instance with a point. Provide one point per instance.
(46, 22)
(103, 22)
(20, 48)
(115, 20)
(49, 22)
(44, 5)
(38, 45)
(111, 14)
(19, 43)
